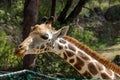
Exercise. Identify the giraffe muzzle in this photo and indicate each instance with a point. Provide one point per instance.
(20, 51)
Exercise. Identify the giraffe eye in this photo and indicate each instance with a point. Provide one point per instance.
(45, 36)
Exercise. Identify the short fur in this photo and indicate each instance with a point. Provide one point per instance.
(94, 54)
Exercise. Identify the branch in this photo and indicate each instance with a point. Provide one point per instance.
(76, 11)
(53, 5)
(63, 14)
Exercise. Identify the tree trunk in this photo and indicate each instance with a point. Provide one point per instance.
(76, 11)
(53, 6)
(63, 14)
(30, 19)
(9, 3)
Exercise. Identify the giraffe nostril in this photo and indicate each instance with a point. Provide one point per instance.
(20, 46)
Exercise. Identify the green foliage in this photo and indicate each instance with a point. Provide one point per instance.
(2, 12)
(51, 64)
(44, 9)
(7, 58)
(87, 37)
(117, 40)
(12, 14)
(113, 13)
(85, 12)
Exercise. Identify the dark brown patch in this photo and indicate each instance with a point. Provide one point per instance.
(105, 76)
(79, 64)
(87, 75)
(60, 47)
(42, 46)
(92, 69)
(48, 44)
(45, 49)
(69, 53)
(99, 66)
(71, 60)
(37, 51)
(71, 47)
(65, 56)
(62, 41)
(83, 56)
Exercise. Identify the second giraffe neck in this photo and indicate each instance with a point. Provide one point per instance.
(84, 60)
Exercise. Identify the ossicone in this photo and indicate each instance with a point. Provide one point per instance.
(50, 20)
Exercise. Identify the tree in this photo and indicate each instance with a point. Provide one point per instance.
(30, 19)
(63, 14)
(53, 6)
(76, 11)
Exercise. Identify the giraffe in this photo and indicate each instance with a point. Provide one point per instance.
(44, 38)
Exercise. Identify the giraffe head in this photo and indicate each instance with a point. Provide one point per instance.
(40, 39)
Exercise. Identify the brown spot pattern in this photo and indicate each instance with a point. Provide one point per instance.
(37, 51)
(87, 75)
(92, 68)
(105, 76)
(45, 49)
(69, 53)
(94, 54)
(60, 47)
(62, 41)
(48, 44)
(42, 46)
(71, 60)
(71, 47)
(83, 56)
(79, 64)
(64, 56)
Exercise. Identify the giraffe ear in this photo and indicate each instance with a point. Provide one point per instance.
(61, 32)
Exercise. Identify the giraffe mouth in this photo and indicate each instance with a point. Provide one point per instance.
(20, 52)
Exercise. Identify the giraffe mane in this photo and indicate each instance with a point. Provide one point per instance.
(94, 54)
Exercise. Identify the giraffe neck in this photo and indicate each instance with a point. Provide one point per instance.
(81, 60)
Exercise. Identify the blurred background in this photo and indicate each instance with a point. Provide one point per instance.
(95, 23)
